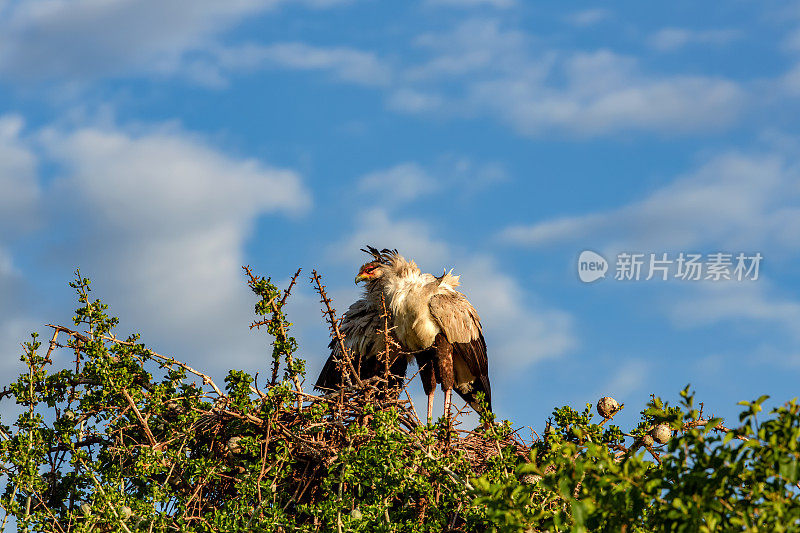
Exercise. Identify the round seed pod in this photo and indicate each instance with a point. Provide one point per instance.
(607, 406)
(661, 433)
(86, 509)
(125, 512)
(233, 445)
(647, 440)
(530, 479)
(355, 514)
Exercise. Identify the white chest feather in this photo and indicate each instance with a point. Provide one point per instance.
(408, 300)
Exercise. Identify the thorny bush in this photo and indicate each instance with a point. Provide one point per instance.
(121, 438)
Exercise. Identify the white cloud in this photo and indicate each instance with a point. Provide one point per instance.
(776, 356)
(791, 42)
(481, 67)
(522, 331)
(188, 184)
(20, 211)
(85, 39)
(413, 101)
(400, 183)
(18, 181)
(160, 220)
(671, 39)
(6, 264)
(709, 365)
(626, 377)
(751, 302)
(503, 4)
(375, 227)
(13, 333)
(588, 17)
(344, 63)
(603, 93)
(469, 176)
(16, 323)
(489, 69)
(789, 82)
(452, 176)
(475, 47)
(759, 309)
(735, 200)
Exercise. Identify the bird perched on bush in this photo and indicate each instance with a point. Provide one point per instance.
(432, 321)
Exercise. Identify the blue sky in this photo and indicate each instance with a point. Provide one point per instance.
(160, 145)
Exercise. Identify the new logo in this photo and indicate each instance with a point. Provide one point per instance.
(591, 266)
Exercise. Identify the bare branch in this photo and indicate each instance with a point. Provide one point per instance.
(331, 316)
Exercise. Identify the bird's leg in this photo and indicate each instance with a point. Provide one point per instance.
(444, 365)
(447, 419)
(427, 373)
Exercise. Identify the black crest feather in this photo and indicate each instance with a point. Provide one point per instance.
(384, 256)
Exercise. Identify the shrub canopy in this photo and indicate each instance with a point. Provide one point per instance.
(117, 437)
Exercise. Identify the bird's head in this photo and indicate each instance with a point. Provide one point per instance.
(382, 262)
(370, 271)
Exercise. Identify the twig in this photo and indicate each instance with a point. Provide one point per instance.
(171, 360)
(385, 317)
(719, 427)
(52, 346)
(5, 518)
(331, 315)
(103, 493)
(291, 285)
(258, 323)
(455, 477)
(142, 421)
(287, 353)
(413, 408)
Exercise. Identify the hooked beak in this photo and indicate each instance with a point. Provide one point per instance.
(361, 277)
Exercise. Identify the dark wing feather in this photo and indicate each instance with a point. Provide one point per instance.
(462, 326)
(361, 328)
(473, 353)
